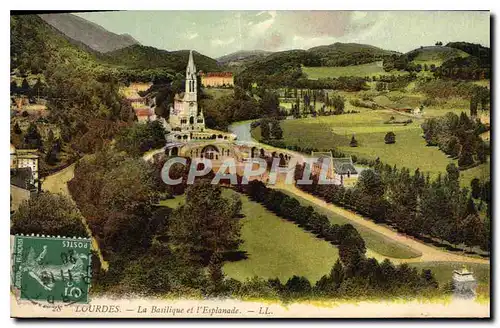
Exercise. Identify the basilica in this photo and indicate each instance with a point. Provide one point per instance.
(186, 121)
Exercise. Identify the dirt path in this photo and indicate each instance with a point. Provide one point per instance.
(57, 183)
(429, 253)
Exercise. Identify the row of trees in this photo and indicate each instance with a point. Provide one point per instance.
(412, 203)
(240, 106)
(467, 68)
(457, 136)
(38, 90)
(354, 274)
(270, 129)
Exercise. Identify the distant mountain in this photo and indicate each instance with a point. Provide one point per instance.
(346, 54)
(242, 57)
(144, 57)
(337, 54)
(88, 33)
(280, 67)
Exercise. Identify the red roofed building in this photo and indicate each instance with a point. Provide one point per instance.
(145, 114)
(217, 79)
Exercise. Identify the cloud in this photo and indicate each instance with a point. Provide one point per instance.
(219, 42)
(215, 33)
(304, 29)
(192, 36)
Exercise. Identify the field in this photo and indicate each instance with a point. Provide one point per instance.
(275, 247)
(410, 149)
(442, 272)
(218, 92)
(374, 241)
(363, 70)
(436, 55)
(482, 172)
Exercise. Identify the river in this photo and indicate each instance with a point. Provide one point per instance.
(242, 131)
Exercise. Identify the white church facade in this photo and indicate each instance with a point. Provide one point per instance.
(186, 120)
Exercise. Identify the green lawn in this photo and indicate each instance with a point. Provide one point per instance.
(374, 240)
(482, 172)
(363, 70)
(275, 247)
(444, 270)
(218, 92)
(410, 149)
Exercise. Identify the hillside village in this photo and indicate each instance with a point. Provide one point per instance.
(406, 137)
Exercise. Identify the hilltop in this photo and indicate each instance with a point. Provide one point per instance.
(346, 54)
(242, 57)
(283, 66)
(88, 33)
(145, 57)
(435, 55)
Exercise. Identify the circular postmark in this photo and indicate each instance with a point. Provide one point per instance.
(51, 271)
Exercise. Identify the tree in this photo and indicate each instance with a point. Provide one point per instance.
(298, 285)
(25, 87)
(204, 225)
(265, 131)
(390, 138)
(270, 104)
(141, 137)
(354, 142)
(370, 183)
(17, 129)
(48, 214)
(337, 274)
(465, 158)
(32, 137)
(476, 190)
(115, 193)
(215, 270)
(13, 87)
(276, 130)
(51, 156)
(473, 106)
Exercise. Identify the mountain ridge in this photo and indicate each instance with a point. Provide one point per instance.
(91, 34)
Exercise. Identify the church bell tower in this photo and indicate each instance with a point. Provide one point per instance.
(191, 80)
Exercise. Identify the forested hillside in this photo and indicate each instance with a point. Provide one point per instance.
(88, 33)
(283, 68)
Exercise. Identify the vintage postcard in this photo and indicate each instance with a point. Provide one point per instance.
(250, 164)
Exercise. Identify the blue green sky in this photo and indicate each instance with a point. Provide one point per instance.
(216, 33)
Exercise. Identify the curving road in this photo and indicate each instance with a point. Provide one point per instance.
(57, 183)
(429, 253)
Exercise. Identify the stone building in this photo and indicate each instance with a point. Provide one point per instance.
(464, 284)
(217, 79)
(185, 116)
(25, 158)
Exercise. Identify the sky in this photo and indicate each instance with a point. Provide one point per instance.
(217, 33)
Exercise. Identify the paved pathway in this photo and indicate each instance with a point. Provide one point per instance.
(429, 253)
(57, 183)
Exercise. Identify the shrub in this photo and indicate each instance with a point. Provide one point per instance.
(390, 138)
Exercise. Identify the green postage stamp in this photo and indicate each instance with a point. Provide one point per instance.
(52, 269)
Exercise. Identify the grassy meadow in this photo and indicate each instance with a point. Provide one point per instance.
(362, 70)
(375, 241)
(218, 92)
(369, 129)
(275, 247)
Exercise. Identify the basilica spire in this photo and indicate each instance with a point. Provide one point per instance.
(190, 69)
